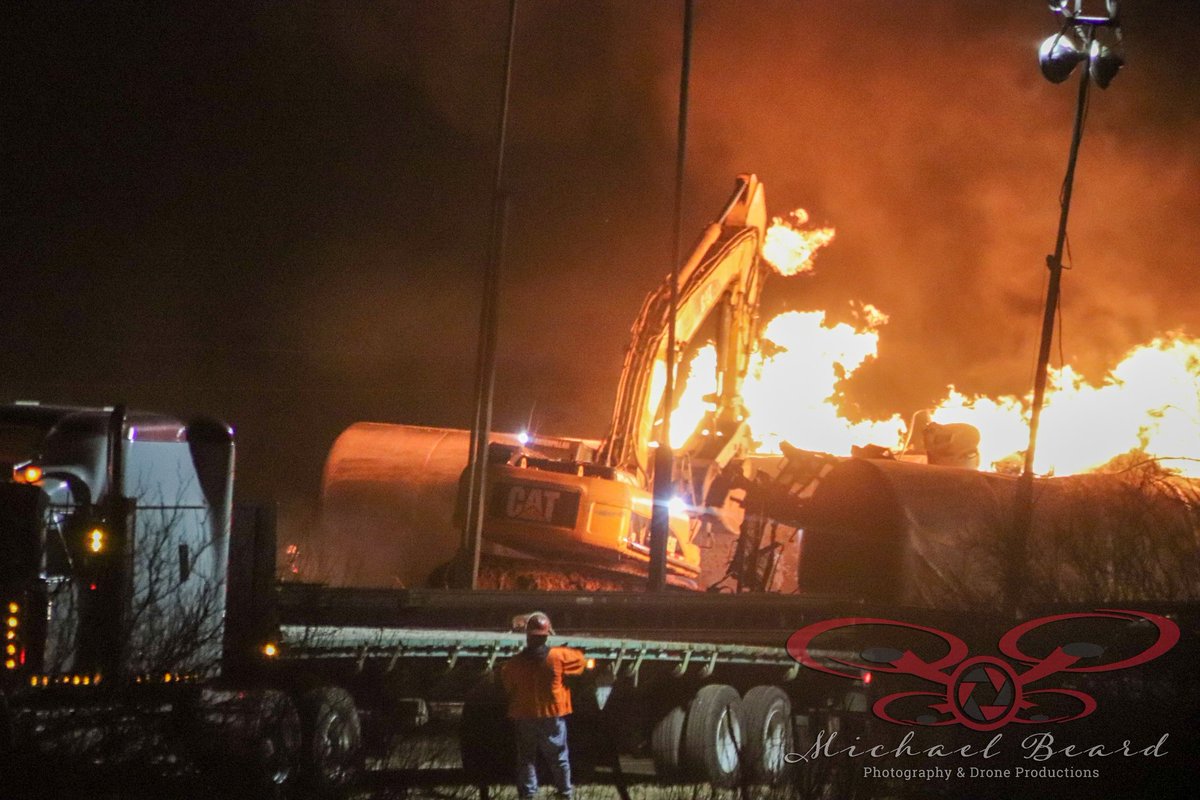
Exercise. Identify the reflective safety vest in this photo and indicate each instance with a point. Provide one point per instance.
(534, 681)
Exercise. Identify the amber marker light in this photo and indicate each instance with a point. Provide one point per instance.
(95, 540)
(27, 474)
(270, 649)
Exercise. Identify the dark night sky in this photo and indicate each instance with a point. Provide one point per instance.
(276, 213)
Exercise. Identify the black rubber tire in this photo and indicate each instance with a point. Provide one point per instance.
(712, 736)
(666, 743)
(768, 716)
(273, 762)
(331, 740)
(245, 742)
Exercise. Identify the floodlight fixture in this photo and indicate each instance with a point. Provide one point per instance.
(1103, 64)
(1083, 37)
(1058, 56)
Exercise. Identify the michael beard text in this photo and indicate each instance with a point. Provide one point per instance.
(1036, 747)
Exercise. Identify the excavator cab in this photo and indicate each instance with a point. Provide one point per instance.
(580, 512)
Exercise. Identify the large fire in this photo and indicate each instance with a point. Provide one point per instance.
(1146, 407)
(792, 393)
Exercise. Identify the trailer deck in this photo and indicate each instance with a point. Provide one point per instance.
(301, 642)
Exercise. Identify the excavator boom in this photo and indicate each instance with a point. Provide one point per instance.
(724, 274)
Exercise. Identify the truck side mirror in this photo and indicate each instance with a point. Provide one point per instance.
(185, 564)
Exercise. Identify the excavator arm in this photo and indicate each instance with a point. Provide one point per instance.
(724, 274)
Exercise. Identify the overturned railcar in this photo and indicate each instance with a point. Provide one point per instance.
(882, 530)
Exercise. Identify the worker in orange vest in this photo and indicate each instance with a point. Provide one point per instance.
(537, 703)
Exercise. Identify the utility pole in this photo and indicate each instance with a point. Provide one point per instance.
(489, 316)
(664, 456)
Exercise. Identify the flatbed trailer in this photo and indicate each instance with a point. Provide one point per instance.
(652, 660)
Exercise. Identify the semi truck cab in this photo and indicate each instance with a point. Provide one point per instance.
(114, 539)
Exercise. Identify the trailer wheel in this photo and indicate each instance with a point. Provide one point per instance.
(712, 736)
(275, 746)
(666, 742)
(332, 739)
(768, 717)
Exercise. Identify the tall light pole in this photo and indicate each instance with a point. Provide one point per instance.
(489, 316)
(664, 456)
(1094, 39)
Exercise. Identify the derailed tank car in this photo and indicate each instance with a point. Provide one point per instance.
(888, 531)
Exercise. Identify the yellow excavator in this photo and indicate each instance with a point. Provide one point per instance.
(562, 513)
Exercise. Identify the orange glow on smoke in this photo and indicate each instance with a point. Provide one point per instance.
(1146, 407)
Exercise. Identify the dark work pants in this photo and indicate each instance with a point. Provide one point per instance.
(547, 736)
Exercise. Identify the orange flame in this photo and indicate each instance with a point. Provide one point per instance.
(1146, 407)
(789, 248)
(691, 408)
(792, 393)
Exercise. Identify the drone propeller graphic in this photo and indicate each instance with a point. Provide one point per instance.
(982, 692)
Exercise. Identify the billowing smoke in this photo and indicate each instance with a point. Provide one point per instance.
(278, 214)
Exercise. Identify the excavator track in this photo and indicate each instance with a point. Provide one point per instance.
(525, 574)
